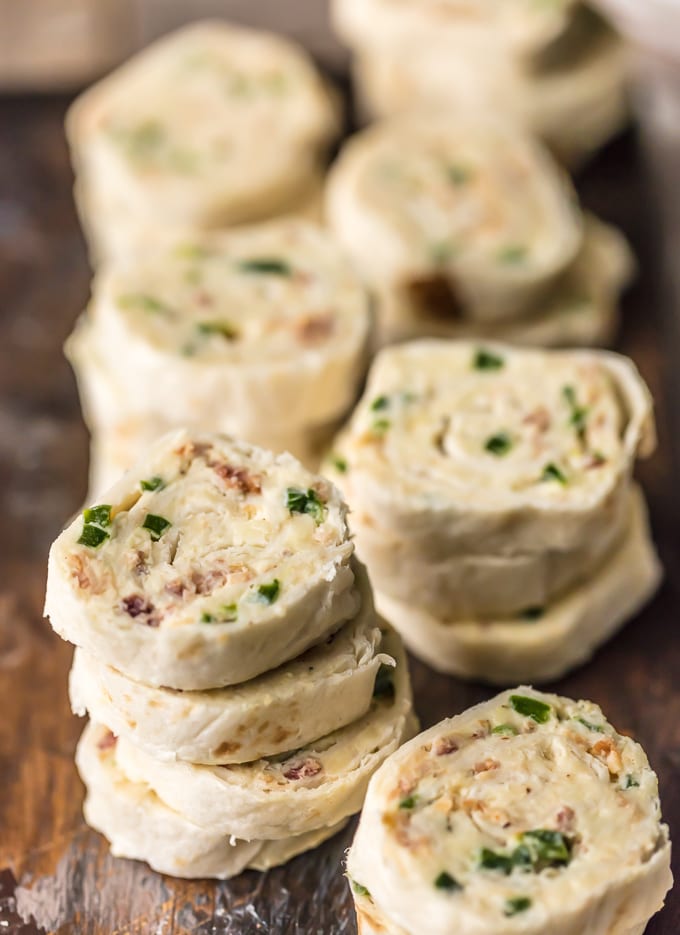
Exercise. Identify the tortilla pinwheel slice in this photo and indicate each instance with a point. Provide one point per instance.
(521, 25)
(262, 329)
(319, 784)
(326, 688)
(211, 126)
(114, 447)
(581, 309)
(574, 104)
(468, 206)
(210, 562)
(139, 826)
(541, 643)
(526, 814)
(487, 456)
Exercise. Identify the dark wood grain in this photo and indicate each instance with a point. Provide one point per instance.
(56, 875)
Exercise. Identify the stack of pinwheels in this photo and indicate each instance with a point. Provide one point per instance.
(241, 688)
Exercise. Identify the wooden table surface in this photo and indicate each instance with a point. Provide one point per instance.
(55, 874)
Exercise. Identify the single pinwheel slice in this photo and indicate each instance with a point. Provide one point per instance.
(317, 785)
(326, 688)
(464, 205)
(469, 466)
(521, 25)
(139, 826)
(526, 814)
(260, 332)
(210, 562)
(542, 642)
(211, 126)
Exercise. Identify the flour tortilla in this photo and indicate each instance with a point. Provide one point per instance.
(239, 577)
(139, 826)
(329, 686)
(208, 127)
(261, 331)
(319, 784)
(574, 107)
(564, 633)
(471, 202)
(463, 786)
(465, 448)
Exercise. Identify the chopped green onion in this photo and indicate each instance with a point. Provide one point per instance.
(227, 614)
(95, 521)
(384, 682)
(221, 328)
(492, 860)
(268, 593)
(189, 251)
(140, 300)
(537, 850)
(598, 728)
(516, 905)
(552, 472)
(458, 174)
(409, 802)
(266, 265)
(379, 403)
(92, 536)
(380, 426)
(156, 525)
(306, 501)
(631, 782)
(98, 515)
(153, 483)
(446, 882)
(499, 444)
(339, 463)
(508, 729)
(537, 710)
(487, 360)
(513, 254)
(547, 848)
(579, 414)
(442, 252)
(359, 889)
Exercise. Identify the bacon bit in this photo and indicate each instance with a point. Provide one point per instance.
(137, 562)
(207, 583)
(84, 574)
(473, 805)
(137, 606)
(595, 461)
(406, 787)
(539, 418)
(606, 751)
(314, 328)
(304, 770)
(227, 748)
(485, 766)
(565, 818)
(77, 569)
(176, 588)
(193, 450)
(107, 741)
(435, 297)
(399, 823)
(445, 745)
(203, 297)
(323, 489)
(239, 573)
(237, 478)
